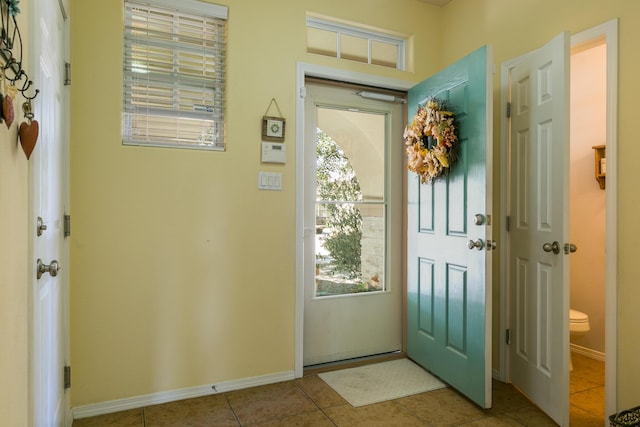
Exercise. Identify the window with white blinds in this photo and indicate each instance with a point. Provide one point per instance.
(174, 74)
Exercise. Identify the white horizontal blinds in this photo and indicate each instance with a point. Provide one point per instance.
(174, 77)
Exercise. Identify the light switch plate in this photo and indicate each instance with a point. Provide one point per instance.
(270, 181)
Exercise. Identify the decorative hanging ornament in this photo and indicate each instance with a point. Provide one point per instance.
(7, 94)
(28, 132)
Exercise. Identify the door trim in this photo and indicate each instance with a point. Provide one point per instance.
(310, 70)
(609, 31)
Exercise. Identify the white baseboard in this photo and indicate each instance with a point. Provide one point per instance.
(180, 394)
(587, 352)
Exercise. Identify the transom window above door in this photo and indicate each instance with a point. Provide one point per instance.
(344, 41)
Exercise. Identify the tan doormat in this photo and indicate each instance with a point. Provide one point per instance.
(382, 381)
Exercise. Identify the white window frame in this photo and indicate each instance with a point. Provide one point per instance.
(344, 29)
(174, 87)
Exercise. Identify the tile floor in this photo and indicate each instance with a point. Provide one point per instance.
(587, 392)
(308, 401)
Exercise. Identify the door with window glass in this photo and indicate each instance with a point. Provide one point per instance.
(353, 225)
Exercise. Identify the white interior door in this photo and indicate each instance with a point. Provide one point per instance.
(352, 222)
(49, 192)
(539, 227)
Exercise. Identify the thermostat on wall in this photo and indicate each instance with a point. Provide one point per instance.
(274, 152)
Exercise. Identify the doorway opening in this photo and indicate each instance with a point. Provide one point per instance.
(588, 232)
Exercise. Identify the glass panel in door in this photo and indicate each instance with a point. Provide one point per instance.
(350, 203)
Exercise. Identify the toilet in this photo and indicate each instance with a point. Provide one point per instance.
(578, 326)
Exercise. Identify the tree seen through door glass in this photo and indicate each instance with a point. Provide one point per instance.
(350, 221)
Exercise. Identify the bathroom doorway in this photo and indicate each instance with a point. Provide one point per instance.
(587, 196)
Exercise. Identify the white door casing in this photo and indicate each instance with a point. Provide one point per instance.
(49, 200)
(538, 227)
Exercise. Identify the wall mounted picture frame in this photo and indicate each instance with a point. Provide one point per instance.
(273, 129)
(273, 126)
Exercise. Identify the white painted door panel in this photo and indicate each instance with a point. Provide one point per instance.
(539, 213)
(48, 185)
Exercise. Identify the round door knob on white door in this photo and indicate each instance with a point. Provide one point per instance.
(52, 268)
(551, 247)
(479, 244)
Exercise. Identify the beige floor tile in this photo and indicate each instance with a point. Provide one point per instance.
(202, 411)
(531, 416)
(506, 398)
(444, 407)
(493, 421)
(580, 383)
(131, 418)
(309, 419)
(385, 414)
(589, 367)
(320, 392)
(591, 401)
(580, 418)
(269, 402)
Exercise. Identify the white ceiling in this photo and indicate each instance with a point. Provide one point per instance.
(436, 2)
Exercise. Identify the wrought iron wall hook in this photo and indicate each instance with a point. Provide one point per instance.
(11, 38)
(27, 97)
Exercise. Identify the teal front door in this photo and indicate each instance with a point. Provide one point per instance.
(449, 242)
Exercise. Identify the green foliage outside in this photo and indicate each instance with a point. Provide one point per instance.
(337, 181)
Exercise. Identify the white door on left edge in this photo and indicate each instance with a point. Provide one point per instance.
(48, 167)
(353, 155)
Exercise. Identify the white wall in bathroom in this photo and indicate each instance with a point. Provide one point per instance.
(588, 79)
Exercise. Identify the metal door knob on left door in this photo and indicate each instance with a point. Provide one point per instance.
(479, 244)
(52, 268)
(551, 247)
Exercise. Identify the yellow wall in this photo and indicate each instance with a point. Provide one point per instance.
(182, 271)
(516, 27)
(14, 279)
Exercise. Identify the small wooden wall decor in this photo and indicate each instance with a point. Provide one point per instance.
(13, 77)
(601, 165)
(273, 126)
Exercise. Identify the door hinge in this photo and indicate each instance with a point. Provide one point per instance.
(67, 225)
(508, 109)
(67, 74)
(507, 336)
(67, 377)
(508, 222)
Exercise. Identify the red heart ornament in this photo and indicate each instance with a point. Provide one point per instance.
(7, 110)
(28, 136)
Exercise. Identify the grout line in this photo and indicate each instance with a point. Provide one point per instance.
(226, 398)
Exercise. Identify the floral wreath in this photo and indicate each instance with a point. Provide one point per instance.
(431, 141)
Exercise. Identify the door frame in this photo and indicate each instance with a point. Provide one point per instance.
(304, 70)
(608, 31)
